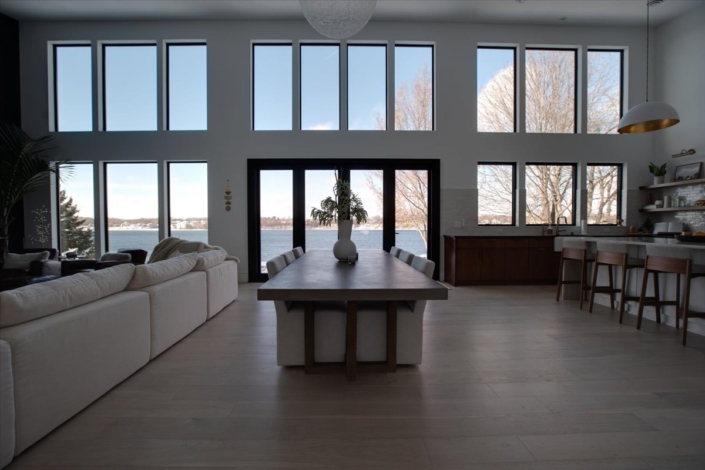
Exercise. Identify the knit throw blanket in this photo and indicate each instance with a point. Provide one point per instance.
(172, 246)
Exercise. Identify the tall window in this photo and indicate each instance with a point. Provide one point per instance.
(320, 87)
(276, 209)
(550, 193)
(188, 200)
(413, 81)
(496, 89)
(551, 90)
(411, 211)
(604, 187)
(187, 87)
(271, 87)
(130, 87)
(76, 227)
(367, 87)
(369, 187)
(73, 89)
(604, 91)
(132, 205)
(495, 193)
(319, 185)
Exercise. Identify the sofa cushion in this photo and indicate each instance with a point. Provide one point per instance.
(209, 259)
(150, 274)
(39, 300)
(18, 261)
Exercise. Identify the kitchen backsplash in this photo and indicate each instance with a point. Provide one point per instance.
(693, 220)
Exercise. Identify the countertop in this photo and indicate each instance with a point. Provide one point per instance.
(643, 241)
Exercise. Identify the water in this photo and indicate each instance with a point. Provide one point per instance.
(276, 242)
(147, 239)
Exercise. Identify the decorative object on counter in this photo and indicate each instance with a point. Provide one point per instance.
(648, 116)
(228, 196)
(700, 202)
(681, 201)
(620, 222)
(667, 201)
(344, 207)
(697, 237)
(658, 203)
(647, 226)
(659, 172)
(688, 172)
(632, 229)
(684, 153)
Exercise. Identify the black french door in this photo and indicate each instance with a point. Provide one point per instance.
(401, 196)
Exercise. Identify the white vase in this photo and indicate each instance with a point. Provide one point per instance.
(344, 248)
(658, 179)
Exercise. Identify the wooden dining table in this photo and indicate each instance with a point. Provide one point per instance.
(376, 276)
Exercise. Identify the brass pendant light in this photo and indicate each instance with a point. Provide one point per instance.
(651, 115)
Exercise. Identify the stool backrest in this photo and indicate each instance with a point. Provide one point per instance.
(406, 257)
(275, 265)
(298, 252)
(394, 251)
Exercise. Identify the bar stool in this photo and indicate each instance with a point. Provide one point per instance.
(611, 255)
(669, 260)
(574, 250)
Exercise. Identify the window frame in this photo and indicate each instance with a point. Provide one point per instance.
(104, 97)
(575, 51)
(621, 78)
(620, 188)
(432, 46)
(574, 165)
(54, 47)
(167, 182)
(340, 83)
(514, 193)
(252, 78)
(167, 97)
(386, 83)
(514, 88)
(106, 227)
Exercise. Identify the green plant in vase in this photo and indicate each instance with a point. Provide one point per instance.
(658, 171)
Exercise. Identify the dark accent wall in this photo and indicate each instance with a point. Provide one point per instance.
(10, 104)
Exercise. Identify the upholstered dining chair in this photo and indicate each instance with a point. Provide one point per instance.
(406, 257)
(394, 251)
(289, 257)
(298, 252)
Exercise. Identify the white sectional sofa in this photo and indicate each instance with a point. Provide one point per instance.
(66, 342)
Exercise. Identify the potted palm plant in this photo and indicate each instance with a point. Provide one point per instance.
(344, 207)
(24, 166)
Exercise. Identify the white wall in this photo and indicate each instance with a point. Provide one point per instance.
(229, 142)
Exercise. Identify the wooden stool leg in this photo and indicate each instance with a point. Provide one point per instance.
(592, 286)
(611, 287)
(583, 275)
(678, 299)
(686, 305)
(657, 295)
(560, 278)
(642, 296)
(623, 293)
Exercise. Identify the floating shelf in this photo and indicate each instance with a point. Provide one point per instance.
(674, 183)
(675, 209)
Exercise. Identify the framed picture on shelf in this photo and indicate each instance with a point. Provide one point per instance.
(688, 172)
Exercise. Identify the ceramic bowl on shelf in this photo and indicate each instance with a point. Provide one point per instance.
(658, 204)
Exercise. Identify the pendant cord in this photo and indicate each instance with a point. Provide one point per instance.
(648, 11)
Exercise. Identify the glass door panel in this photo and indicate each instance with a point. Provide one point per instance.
(368, 185)
(276, 214)
(319, 185)
(411, 211)
(188, 200)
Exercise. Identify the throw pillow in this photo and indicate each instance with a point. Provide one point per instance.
(18, 261)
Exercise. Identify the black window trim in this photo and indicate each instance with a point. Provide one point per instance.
(620, 187)
(621, 74)
(574, 50)
(433, 81)
(168, 188)
(103, 81)
(252, 74)
(386, 79)
(514, 193)
(168, 45)
(514, 49)
(299, 166)
(340, 83)
(575, 187)
(54, 48)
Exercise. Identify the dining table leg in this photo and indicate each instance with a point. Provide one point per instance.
(351, 341)
(392, 336)
(309, 338)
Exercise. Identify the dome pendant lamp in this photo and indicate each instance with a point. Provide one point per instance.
(651, 115)
(338, 19)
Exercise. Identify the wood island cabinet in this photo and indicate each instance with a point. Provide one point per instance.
(500, 260)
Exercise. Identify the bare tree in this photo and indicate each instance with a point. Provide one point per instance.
(550, 108)
(602, 188)
(495, 194)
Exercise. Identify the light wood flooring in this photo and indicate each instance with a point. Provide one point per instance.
(511, 380)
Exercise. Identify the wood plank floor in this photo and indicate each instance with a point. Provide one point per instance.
(511, 380)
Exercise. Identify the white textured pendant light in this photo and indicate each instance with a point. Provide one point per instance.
(338, 19)
(651, 115)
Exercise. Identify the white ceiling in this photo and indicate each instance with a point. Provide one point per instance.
(546, 12)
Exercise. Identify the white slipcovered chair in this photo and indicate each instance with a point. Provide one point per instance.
(394, 251)
(329, 327)
(372, 326)
(289, 257)
(298, 252)
(406, 257)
